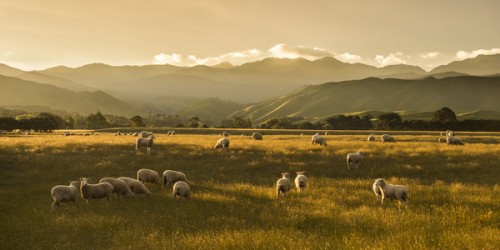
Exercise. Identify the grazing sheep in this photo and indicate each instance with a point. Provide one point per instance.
(318, 139)
(371, 137)
(450, 133)
(222, 143)
(61, 193)
(387, 138)
(148, 175)
(181, 189)
(353, 160)
(119, 187)
(171, 132)
(170, 177)
(145, 134)
(95, 191)
(135, 134)
(144, 142)
(118, 133)
(136, 186)
(441, 140)
(256, 136)
(225, 134)
(301, 181)
(389, 191)
(283, 185)
(452, 140)
(66, 133)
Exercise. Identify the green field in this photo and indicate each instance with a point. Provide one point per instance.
(454, 193)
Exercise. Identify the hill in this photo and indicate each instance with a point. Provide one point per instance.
(56, 81)
(211, 109)
(18, 92)
(481, 65)
(7, 70)
(459, 93)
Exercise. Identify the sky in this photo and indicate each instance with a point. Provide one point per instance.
(38, 34)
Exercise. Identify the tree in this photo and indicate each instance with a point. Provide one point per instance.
(239, 122)
(388, 121)
(136, 121)
(445, 115)
(193, 122)
(97, 120)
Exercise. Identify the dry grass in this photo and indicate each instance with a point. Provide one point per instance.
(454, 194)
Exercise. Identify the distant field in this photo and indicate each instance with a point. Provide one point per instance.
(454, 192)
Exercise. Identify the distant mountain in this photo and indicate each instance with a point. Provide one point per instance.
(35, 76)
(424, 95)
(18, 92)
(211, 109)
(481, 65)
(7, 70)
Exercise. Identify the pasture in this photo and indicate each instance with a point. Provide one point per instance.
(454, 193)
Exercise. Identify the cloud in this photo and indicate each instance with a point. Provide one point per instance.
(287, 51)
(349, 58)
(237, 57)
(429, 55)
(465, 54)
(391, 59)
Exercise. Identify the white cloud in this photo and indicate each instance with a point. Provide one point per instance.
(287, 51)
(429, 55)
(236, 58)
(466, 54)
(391, 59)
(349, 58)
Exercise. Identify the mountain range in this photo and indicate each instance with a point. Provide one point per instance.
(257, 90)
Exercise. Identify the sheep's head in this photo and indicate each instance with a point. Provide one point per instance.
(380, 182)
(285, 175)
(73, 183)
(84, 181)
(300, 173)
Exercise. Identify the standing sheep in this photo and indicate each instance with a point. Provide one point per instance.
(119, 187)
(222, 143)
(170, 177)
(95, 191)
(389, 191)
(371, 137)
(148, 175)
(301, 181)
(144, 143)
(452, 140)
(256, 136)
(318, 139)
(136, 186)
(283, 185)
(61, 193)
(353, 160)
(181, 189)
(387, 138)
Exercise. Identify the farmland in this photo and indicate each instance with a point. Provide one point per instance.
(454, 192)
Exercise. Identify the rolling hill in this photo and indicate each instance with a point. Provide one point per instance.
(211, 109)
(482, 65)
(463, 93)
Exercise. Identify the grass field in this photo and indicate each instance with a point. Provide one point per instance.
(454, 193)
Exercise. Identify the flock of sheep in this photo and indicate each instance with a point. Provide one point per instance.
(126, 186)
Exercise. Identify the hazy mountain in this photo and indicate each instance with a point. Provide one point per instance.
(429, 94)
(7, 70)
(211, 109)
(18, 92)
(35, 76)
(480, 65)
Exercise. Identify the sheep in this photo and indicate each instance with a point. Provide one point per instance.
(225, 134)
(256, 136)
(171, 176)
(389, 191)
(145, 134)
(387, 138)
(318, 139)
(441, 140)
(144, 142)
(371, 137)
(95, 191)
(148, 175)
(222, 143)
(353, 160)
(119, 187)
(452, 140)
(181, 189)
(62, 193)
(283, 185)
(171, 132)
(136, 186)
(135, 134)
(301, 181)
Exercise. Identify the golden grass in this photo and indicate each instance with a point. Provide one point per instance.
(454, 193)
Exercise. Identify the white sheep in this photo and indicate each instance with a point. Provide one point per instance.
(148, 175)
(171, 176)
(119, 187)
(181, 189)
(136, 186)
(145, 134)
(256, 136)
(95, 191)
(171, 132)
(450, 133)
(387, 138)
(452, 140)
(62, 193)
(283, 185)
(144, 142)
(390, 191)
(222, 143)
(353, 160)
(318, 139)
(301, 181)
(371, 137)
(225, 134)
(441, 140)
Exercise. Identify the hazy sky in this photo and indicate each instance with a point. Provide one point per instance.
(37, 34)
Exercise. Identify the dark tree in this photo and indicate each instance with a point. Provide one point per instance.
(445, 115)
(193, 122)
(97, 120)
(136, 121)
